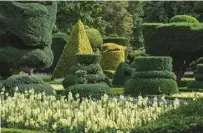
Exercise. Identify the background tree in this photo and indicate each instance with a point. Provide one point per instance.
(89, 12)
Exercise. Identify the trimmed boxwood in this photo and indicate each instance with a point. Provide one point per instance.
(118, 40)
(95, 38)
(38, 88)
(153, 63)
(87, 90)
(145, 86)
(73, 79)
(154, 74)
(96, 78)
(17, 80)
(109, 73)
(195, 84)
(92, 68)
(183, 18)
(88, 58)
(198, 76)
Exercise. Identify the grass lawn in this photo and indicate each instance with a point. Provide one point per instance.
(14, 130)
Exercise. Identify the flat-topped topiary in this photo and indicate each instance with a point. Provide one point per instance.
(78, 43)
(198, 74)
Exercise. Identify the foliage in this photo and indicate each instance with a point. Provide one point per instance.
(109, 73)
(91, 69)
(152, 63)
(117, 40)
(111, 56)
(195, 84)
(185, 119)
(25, 30)
(121, 75)
(181, 41)
(163, 11)
(119, 21)
(69, 12)
(77, 43)
(183, 18)
(89, 90)
(133, 54)
(154, 74)
(95, 38)
(41, 112)
(144, 86)
(87, 59)
(15, 130)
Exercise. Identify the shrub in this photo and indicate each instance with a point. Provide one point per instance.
(118, 40)
(138, 52)
(121, 75)
(38, 88)
(195, 84)
(112, 47)
(109, 73)
(183, 18)
(87, 90)
(198, 76)
(150, 86)
(95, 38)
(150, 63)
(184, 83)
(96, 78)
(73, 79)
(154, 74)
(18, 80)
(77, 43)
(92, 68)
(87, 59)
(200, 68)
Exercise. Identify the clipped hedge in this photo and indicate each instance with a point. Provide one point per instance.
(73, 79)
(87, 90)
(195, 84)
(95, 38)
(109, 73)
(183, 18)
(147, 86)
(200, 68)
(38, 88)
(96, 78)
(118, 40)
(154, 74)
(92, 68)
(18, 80)
(87, 59)
(151, 63)
(198, 76)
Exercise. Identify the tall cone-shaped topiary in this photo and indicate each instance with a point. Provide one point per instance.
(77, 43)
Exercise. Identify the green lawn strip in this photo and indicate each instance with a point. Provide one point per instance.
(15, 130)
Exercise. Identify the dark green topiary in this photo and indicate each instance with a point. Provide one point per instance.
(118, 40)
(183, 18)
(25, 34)
(195, 84)
(96, 78)
(87, 90)
(89, 58)
(38, 88)
(154, 74)
(18, 80)
(95, 38)
(146, 86)
(91, 69)
(149, 63)
(109, 73)
(200, 68)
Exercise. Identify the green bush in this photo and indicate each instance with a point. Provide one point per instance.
(88, 58)
(38, 88)
(183, 18)
(198, 76)
(118, 40)
(152, 63)
(195, 84)
(200, 68)
(91, 69)
(96, 78)
(73, 79)
(154, 74)
(17, 80)
(184, 83)
(138, 52)
(87, 90)
(109, 73)
(95, 38)
(145, 86)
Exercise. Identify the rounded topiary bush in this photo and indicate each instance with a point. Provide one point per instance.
(153, 63)
(154, 74)
(183, 18)
(109, 73)
(89, 90)
(200, 68)
(91, 69)
(150, 86)
(38, 88)
(72, 79)
(195, 84)
(95, 38)
(17, 80)
(88, 58)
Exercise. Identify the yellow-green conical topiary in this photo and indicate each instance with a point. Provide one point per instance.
(77, 43)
